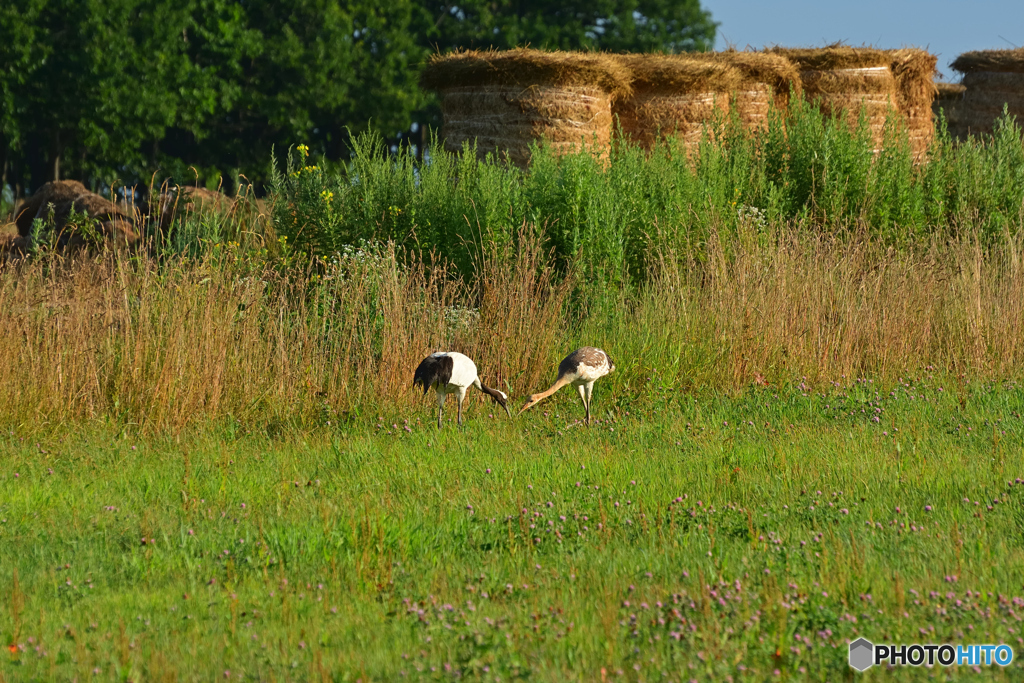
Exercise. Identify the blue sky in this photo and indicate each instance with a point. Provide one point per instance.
(944, 27)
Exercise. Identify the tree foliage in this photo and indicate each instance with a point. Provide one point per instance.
(614, 25)
(108, 91)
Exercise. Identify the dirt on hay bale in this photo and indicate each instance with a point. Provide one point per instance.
(37, 206)
(766, 78)
(504, 101)
(845, 80)
(993, 79)
(914, 71)
(675, 96)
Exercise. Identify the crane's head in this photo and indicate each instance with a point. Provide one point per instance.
(499, 396)
(530, 402)
(502, 400)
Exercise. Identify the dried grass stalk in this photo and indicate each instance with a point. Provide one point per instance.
(523, 67)
(821, 308)
(833, 57)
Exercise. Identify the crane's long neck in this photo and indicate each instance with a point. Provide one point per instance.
(537, 398)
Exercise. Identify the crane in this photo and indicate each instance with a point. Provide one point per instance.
(581, 368)
(450, 372)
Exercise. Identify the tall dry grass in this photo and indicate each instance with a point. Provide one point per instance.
(165, 346)
(797, 304)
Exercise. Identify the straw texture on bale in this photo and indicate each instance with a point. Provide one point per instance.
(504, 101)
(676, 95)
(914, 71)
(1000, 61)
(766, 76)
(993, 79)
(846, 80)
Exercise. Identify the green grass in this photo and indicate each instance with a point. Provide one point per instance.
(613, 220)
(362, 551)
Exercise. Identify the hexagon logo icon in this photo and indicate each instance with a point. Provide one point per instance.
(862, 654)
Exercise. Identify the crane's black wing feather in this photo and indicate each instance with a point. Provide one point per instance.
(433, 370)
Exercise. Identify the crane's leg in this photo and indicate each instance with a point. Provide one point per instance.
(440, 406)
(460, 397)
(590, 392)
(583, 397)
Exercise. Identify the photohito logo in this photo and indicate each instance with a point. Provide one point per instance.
(864, 654)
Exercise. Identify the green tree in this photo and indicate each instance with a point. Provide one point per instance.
(91, 83)
(18, 45)
(615, 25)
(301, 71)
(106, 90)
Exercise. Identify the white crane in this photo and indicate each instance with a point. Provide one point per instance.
(450, 372)
(581, 368)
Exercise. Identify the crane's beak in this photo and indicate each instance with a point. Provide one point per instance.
(529, 404)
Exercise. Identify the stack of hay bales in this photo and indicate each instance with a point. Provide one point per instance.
(846, 80)
(993, 79)
(949, 100)
(767, 79)
(504, 101)
(674, 96)
(914, 71)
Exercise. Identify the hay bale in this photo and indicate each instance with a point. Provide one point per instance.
(504, 101)
(106, 225)
(949, 100)
(999, 61)
(13, 246)
(106, 222)
(676, 96)
(37, 206)
(993, 79)
(846, 80)
(178, 201)
(914, 71)
(767, 78)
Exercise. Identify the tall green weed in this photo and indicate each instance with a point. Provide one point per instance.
(610, 216)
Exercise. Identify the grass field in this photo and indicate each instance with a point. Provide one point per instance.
(214, 466)
(703, 538)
